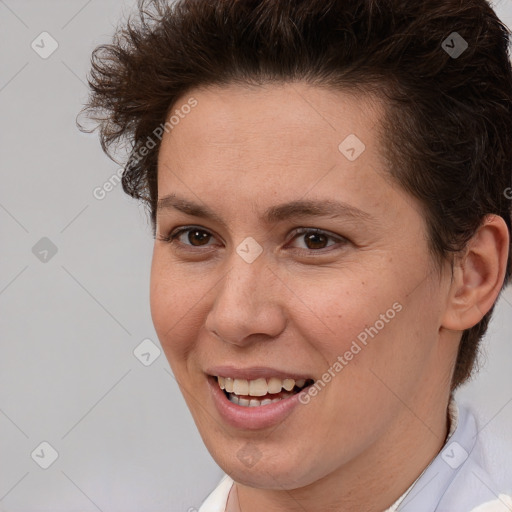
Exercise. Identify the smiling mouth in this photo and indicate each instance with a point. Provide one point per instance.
(260, 392)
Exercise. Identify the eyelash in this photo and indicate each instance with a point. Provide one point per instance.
(171, 238)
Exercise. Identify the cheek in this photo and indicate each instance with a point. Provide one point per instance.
(343, 308)
(384, 339)
(369, 320)
(175, 301)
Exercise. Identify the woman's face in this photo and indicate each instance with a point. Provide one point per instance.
(302, 260)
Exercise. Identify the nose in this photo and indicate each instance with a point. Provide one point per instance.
(247, 306)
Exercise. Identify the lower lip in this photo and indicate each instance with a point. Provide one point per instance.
(252, 418)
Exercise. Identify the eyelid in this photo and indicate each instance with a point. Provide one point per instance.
(318, 231)
(333, 236)
(176, 233)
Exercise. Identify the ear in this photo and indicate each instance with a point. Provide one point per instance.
(478, 275)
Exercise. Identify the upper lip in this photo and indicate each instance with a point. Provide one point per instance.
(254, 372)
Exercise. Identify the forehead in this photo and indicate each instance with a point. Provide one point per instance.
(287, 140)
(233, 115)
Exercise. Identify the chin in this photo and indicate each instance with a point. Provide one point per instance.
(259, 466)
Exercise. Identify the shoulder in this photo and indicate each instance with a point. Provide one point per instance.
(494, 443)
(484, 481)
(217, 500)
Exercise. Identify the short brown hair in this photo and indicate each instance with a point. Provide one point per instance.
(448, 126)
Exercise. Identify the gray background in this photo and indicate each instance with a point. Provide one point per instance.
(70, 324)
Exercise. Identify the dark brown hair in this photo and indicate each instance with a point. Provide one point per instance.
(448, 126)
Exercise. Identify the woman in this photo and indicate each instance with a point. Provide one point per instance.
(327, 183)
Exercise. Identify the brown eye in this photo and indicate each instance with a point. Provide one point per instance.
(188, 237)
(316, 241)
(197, 237)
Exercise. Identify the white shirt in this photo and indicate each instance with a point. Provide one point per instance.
(472, 473)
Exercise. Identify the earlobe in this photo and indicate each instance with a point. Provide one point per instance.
(478, 275)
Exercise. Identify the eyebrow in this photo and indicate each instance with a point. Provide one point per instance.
(277, 213)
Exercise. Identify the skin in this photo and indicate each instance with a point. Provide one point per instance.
(372, 430)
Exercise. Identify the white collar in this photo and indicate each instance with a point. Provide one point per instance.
(217, 500)
(453, 416)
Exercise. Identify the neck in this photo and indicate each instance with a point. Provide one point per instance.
(371, 483)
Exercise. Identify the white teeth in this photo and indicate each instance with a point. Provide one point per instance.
(255, 402)
(241, 387)
(274, 385)
(228, 383)
(258, 387)
(288, 384)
